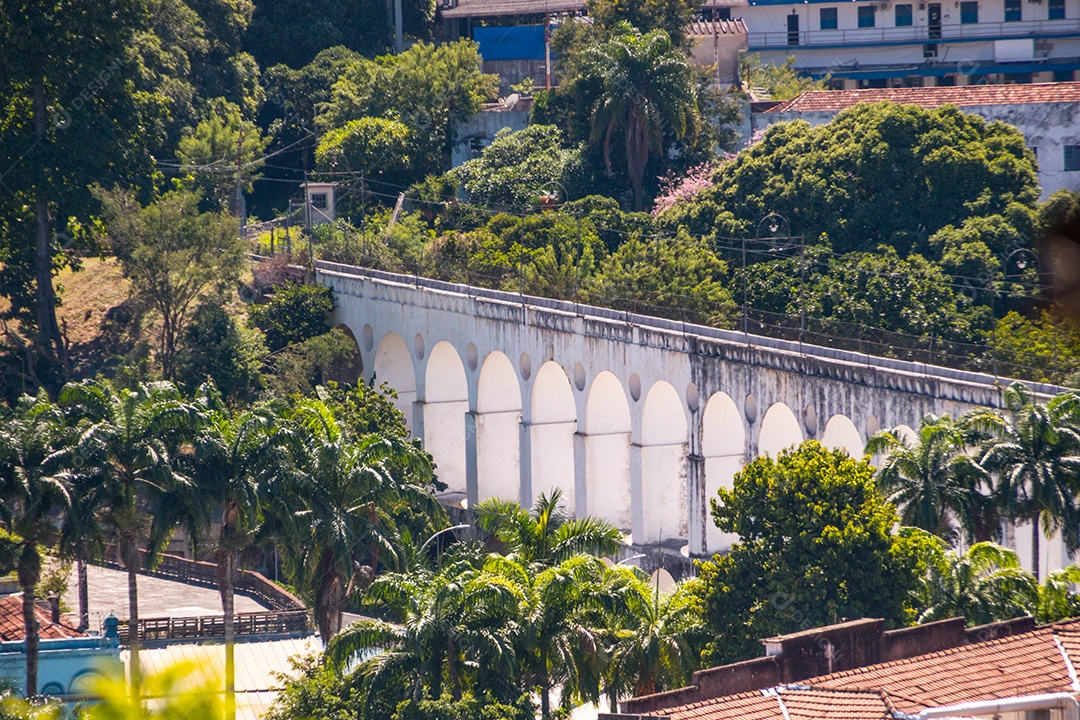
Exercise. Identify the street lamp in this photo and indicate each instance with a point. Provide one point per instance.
(444, 530)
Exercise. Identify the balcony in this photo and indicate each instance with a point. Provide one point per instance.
(916, 34)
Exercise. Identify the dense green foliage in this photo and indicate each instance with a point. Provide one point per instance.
(815, 547)
(294, 314)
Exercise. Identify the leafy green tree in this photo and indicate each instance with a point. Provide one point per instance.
(1033, 450)
(381, 149)
(780, 82)
(363, 409)
(426, 88)
(671, 16)
(876, 174)
(294, 314)
(127, 443)
(816, 547)
(346, 494)
(517, 167)
(657, 636)
(677, 277)
(316, 692)
(545, 535)
(929, 479)
(71, 117)
(172, 254)
(224, 149)
(1045, 348)
(32, 488)
(1057, 600)
(646, 89)
(215, 347)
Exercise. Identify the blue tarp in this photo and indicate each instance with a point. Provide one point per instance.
(517, 42)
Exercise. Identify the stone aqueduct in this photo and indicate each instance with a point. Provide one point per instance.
(639, 420)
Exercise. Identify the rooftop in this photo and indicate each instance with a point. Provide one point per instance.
(717, 27)
(12, 628)
(496, 8)
(983, 666)
(962, 95)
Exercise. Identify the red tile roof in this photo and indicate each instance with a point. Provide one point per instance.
(1027, 663)
(963, 95)
(11, 621)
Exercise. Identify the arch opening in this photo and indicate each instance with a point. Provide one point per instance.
(664, 450)
(445, 404)
(780, 430)
(498, 421)
(552, 426)
(607, 451)
(351, 368)
(394, 366)
(723, 445)
(840, 432)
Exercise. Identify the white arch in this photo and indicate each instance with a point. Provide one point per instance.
(663, 465)
(446, 401)
(723, 444)
(780, 429)
(552, 428)
(394, 366)
(607, 451)
(498, 441)
(840, 432)
(905, 433)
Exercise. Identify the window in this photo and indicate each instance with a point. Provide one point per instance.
(828, 18)
(903, 16)
(1017, 78)
(946, 81)
(1012, 10)
(1072, 157)
(723, 13)
(929, 51)
(1063, 76)
(318, 201)
(969, 13)
(1057, 9)
(866, 16)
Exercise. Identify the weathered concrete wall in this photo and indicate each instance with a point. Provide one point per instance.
(1047, 129)
(638, 420)
(483, 126)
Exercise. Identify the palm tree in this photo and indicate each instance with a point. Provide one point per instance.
(127, 443)
(1056, 598)
(655, 635)
(560, 625)
(345, 491)
(441, 622)
(32, 491)
(984, 584)
(646, 90)
(235, 461)
(1034, 452)
(545, 535)
(81, 538)
(930, 480)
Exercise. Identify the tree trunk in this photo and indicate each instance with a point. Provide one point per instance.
(48, 330)
(1035, 542)
(227, 595)
(131, 559)
(84, 594)
(545, 688)
(29, 573)
(451, 664)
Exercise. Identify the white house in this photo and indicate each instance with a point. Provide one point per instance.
(904, 43)
(1047, 113)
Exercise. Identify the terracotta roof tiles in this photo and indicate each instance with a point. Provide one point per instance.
(11, 622)
(1026, 663)
(929, 97)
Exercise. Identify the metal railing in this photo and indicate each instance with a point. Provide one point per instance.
(914, 34)
(250, 624)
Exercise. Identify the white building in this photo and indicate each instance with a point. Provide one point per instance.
(904, 43)
(1048, 114)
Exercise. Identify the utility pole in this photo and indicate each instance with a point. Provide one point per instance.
(399, 36)
(240, 179)
(547, 51)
